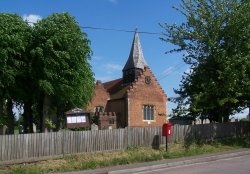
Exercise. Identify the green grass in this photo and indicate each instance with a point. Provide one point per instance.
(129, 156)
(29, 170)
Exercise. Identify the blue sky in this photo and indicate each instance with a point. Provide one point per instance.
(111, 48)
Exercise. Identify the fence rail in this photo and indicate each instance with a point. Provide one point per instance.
(25, 147)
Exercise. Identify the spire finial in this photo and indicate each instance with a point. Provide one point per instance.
(136, 29)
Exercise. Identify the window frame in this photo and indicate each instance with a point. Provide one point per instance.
(148, 112)
(99, 108)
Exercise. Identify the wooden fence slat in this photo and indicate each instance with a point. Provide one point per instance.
(40, 145)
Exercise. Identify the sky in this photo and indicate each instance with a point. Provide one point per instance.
(111, 48)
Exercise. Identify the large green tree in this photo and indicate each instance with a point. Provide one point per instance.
(215, 41)
(44, 68)
(60, 67)
(14, 37)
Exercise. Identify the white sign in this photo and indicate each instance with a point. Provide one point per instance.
(69, 120)
(73, 119)
(76, 119)
(81, 119)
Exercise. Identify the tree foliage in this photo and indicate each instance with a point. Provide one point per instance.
(13, 42)
(14, 36)
(215, 40)
(44, 67)
(60, 64)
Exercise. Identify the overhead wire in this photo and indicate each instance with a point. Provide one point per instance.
(120, 30)
(175, 68)
(113, 29)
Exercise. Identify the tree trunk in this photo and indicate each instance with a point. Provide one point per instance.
(30, 116)
(11, 117)
(1, 115)
(59, 114)
(25, 117)
(248, 118)
(40, 114)
(46, 104)
(1, 107)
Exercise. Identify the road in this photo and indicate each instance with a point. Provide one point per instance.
(235, 165)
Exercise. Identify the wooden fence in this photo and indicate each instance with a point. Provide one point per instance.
(30, 147)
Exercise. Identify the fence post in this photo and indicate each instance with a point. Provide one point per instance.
(128, 137)
(63, 141)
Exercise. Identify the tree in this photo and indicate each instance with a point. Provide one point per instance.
(44, 68)
(14, 34)
(60, 67)
(215, 41)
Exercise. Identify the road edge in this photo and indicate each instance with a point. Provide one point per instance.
(193, 160)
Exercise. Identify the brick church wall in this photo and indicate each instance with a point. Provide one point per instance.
(146, 94)
(100, 97)
(119, 107)
(107, 119)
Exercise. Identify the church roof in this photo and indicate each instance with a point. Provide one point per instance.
(115, 88)
(136, 58)
(111, 84)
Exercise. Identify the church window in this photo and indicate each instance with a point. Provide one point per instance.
(148, 112)
(99, 109)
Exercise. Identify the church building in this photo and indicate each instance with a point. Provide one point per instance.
(137, 98)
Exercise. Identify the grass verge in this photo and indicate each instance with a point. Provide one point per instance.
(131, 155)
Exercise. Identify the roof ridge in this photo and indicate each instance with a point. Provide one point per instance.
(112, 80)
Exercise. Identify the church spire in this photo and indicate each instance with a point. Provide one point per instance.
(135, 59)
(135, 63)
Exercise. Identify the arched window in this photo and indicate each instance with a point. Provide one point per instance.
(148, 112)
(99, 109)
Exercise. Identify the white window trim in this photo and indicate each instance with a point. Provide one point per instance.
(148, 121)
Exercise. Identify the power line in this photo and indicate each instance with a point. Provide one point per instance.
(170, 70)
(113, 29)
(176, 68)
(120, 30)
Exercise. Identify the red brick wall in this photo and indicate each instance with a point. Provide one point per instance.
(146, 94)
(139, 94)
(119, 107)
(105, 120)
(100, 97)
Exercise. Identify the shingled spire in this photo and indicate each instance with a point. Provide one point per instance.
(135, 63)
(135, 59)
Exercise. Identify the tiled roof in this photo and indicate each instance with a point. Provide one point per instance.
(75, 111)
(109, 85)
(116, 89)
(135, 59)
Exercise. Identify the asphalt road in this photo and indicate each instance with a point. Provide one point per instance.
(235, 165)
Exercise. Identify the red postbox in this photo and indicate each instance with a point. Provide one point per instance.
(167, 129)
